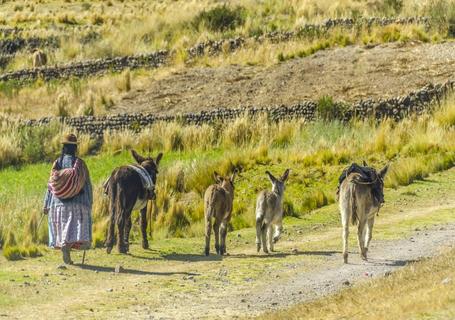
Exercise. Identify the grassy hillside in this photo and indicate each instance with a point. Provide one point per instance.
(115, 28)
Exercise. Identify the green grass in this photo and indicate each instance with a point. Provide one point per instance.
(316, 154)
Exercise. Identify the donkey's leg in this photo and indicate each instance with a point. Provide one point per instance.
(122, 216)
(278, 229)
(109, 244)
(223, 234)
(264, 228)
(361, 238)
(145, 243)
(368, 234)
(216, 231)
(345, 214)
(208, 230)
(258, 233)
(126, 239)
(270, 236)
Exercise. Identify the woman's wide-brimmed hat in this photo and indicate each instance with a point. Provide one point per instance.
(69, 139)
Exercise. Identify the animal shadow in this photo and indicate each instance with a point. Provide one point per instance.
(286, 254)
(190, 257)
(132, 271)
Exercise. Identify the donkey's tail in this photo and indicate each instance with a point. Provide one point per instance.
(353, 200)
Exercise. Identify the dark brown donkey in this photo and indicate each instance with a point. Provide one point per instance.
(127, 191)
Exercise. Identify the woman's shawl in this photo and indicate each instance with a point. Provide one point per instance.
(68, 183)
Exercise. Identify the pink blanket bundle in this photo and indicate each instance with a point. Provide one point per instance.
(68, 183)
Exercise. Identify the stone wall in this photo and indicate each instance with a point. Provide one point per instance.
(90, 67)
(13, 45)
(397, 108)
(212, 47)
(7, 31)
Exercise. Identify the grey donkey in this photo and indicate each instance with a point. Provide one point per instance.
(358, 204)
(269, 213)
(218, 203)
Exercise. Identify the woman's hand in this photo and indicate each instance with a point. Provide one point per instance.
(45, 210)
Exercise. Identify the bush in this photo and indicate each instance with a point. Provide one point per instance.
(35, 141)
(175, 220)
(66, 19)
(288, 209)
(12, 253)
(220, 18)
(328, 110)
(441, 12)
(32, 252)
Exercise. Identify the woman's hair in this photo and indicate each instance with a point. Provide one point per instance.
(69, 149)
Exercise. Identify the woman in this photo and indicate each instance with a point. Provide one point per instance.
(69, 201)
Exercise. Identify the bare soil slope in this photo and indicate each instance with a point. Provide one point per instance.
(350, 74)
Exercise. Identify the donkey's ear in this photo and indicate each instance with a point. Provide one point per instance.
(139, 159)
(158, 158)
(285, 175)
(233, 175)
(217, 177)
(271, 177)
(365, 163)
(383, 171)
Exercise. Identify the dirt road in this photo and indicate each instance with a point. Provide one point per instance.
(350, 74)
(327, 276)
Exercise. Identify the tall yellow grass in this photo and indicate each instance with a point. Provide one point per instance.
(316, 152)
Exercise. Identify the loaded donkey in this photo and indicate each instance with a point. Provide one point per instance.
(361, 192)
(129, 188)
(269, 213)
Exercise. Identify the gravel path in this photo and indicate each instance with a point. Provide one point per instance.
(350, 74)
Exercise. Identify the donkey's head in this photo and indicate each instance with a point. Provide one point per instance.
(377, 182)
(278, 185)
(148, 163)
(225, 182)
(381, 175)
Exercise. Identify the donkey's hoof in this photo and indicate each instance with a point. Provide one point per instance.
(345, 257)
(207, 251)
(258, 247)
(108, 250)
(217, 249)
(145, 244)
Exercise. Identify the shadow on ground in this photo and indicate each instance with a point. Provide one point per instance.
(285, 254)
(132, 271)
(189, 257)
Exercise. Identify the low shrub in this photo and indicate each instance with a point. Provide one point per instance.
(328, 110)
(12, 253)
(220, 18)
